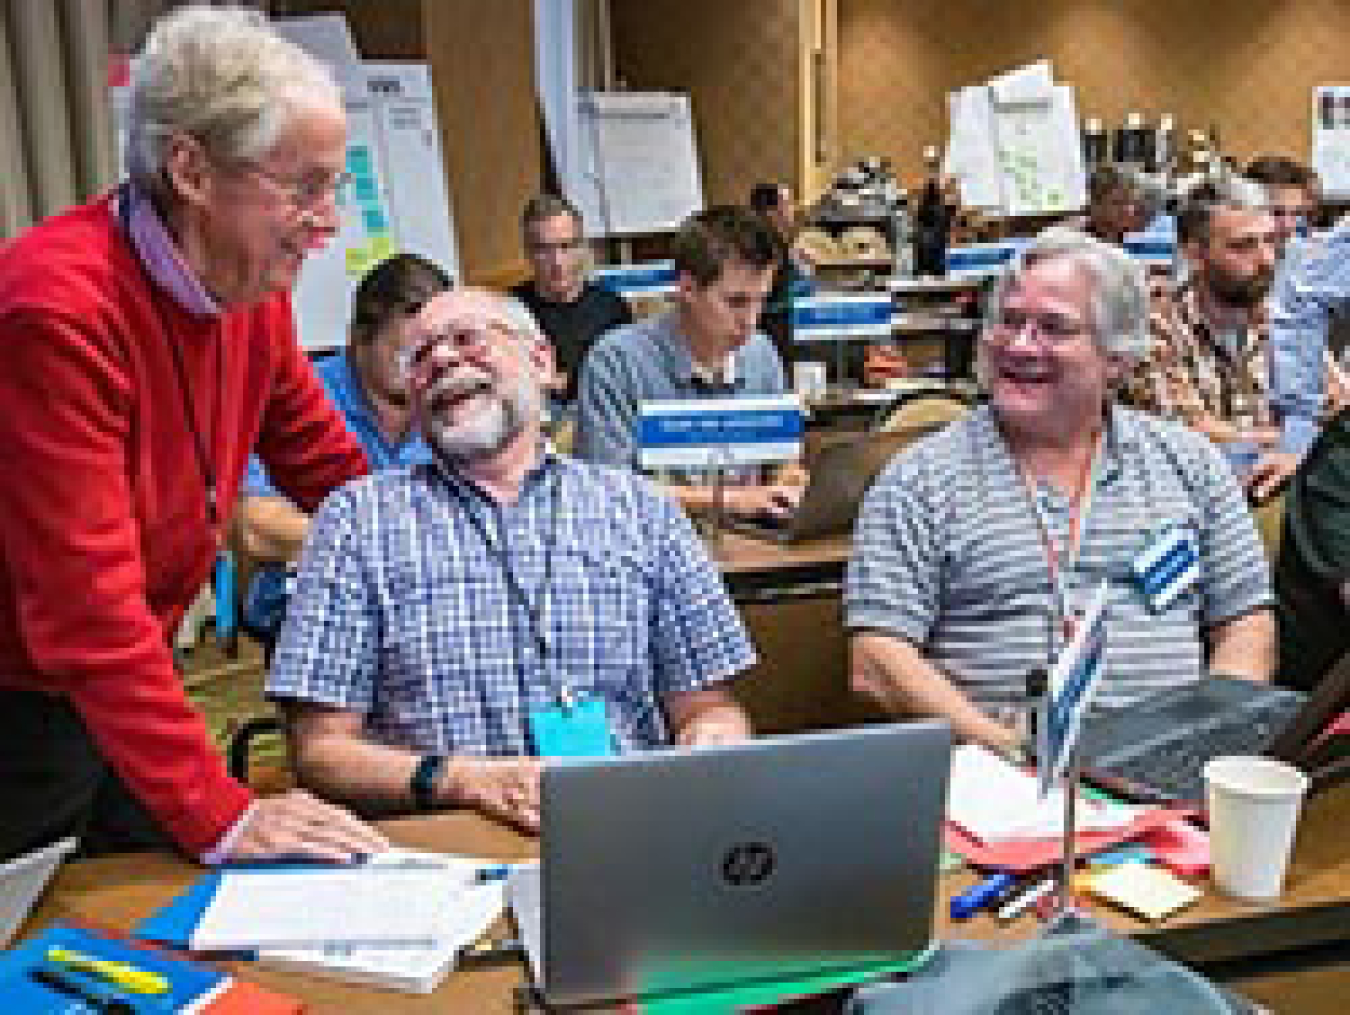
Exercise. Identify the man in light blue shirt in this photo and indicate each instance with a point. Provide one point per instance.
(366, 383)
(706, 346)
(1312, 290)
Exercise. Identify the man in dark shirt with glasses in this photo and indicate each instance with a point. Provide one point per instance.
(572, 311)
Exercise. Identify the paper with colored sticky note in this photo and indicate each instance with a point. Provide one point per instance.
(1147, 891)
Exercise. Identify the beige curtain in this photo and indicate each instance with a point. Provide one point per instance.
(57, 145)
(57, 138)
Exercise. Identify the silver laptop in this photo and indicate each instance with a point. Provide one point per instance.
(22, 881)
(680, 870)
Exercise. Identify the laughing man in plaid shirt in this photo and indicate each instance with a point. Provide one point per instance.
(450, 617)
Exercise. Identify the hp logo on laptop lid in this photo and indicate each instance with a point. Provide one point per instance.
(747, 863)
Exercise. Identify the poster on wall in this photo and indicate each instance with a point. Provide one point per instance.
(1331, 139)
(1013, 144)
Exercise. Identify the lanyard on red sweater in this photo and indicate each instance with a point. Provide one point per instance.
(200, 447)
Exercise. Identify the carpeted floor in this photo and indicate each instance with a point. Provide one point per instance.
(229, 691)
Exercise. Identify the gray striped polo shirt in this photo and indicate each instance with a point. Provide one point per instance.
(948, 554)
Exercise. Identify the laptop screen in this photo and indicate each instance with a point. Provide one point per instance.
(22, 881)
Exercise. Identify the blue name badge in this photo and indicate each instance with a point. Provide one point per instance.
(1166, 568)
(581, 731)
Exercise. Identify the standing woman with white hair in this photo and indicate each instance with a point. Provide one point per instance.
(149, 346)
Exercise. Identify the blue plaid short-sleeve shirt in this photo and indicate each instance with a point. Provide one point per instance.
(404, 611)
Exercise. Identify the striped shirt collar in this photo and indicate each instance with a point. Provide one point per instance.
(163, 261)
(1120, 437)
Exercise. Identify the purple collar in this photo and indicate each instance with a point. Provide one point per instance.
(160, 255)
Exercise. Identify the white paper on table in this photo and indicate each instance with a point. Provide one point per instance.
(468, 914)
(996, 802)
(367, 905)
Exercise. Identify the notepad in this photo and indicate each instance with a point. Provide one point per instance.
(466, 914)
(368, 905)
(1150, 892)
(996, 802)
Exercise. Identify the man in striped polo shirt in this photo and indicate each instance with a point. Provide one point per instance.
(979, 546)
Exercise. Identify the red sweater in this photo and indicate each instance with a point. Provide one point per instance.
(104, 539)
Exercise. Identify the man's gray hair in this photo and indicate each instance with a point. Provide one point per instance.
(222, 76)
(1120, 297)
(1200, 203)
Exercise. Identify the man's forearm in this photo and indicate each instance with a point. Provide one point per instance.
(891, 672)
(1244, 646)
(349, 770)
(708, 716)
(272, 528)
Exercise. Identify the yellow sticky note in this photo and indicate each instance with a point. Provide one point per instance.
(358, 261)
(381, 248)
(1148, 891)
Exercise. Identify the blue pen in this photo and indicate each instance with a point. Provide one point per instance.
(972, 900)
(494, 872)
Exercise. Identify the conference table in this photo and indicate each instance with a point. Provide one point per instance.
(1290, 955)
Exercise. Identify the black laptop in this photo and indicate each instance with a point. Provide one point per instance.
(1155, 750)
(840, 476)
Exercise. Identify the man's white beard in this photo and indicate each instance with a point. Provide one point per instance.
(489, 430)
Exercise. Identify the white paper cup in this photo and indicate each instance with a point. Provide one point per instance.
(1253, 811)
(809, 379)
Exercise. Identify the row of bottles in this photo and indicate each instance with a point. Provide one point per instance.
(1152, 148)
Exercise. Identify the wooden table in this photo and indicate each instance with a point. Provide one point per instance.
(1315, 910)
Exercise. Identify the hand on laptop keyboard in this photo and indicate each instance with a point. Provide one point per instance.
(776, 501)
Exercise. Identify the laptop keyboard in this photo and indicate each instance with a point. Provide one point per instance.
(1174, 767)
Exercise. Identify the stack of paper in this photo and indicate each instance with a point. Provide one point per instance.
(466, 910)
(995, 802)
(397, 921)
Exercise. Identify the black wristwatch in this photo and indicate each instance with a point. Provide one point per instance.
(422, 785)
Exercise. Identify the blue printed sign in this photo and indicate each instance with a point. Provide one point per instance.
(976, 260)
(718, 432)
(1074, 680)
(1152, 248)
(839, 318)
(649, 278)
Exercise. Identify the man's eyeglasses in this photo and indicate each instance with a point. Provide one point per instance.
(462, 342)
(1050, 328)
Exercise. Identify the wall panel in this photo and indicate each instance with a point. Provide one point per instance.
(738, 59)
(1246, 65)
